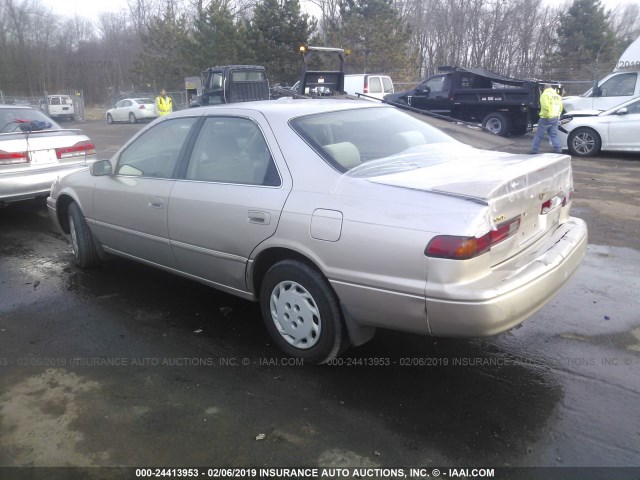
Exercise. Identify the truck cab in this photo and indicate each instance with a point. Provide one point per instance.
(622, 85)
(612, 90)
(232, 84)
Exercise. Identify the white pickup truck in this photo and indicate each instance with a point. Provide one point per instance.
(618, 87)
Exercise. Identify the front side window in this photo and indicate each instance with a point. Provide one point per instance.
(438, 84)
(232, 150)
(634, 107)
(215, 94)
(620, 86)
(156, 152)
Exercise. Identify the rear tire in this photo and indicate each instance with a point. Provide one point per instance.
(497, 123)
(584, 142)
(132, 118)
(84, 250)
(109, 119)
(302, 313)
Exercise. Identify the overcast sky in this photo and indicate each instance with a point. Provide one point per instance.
(90, 9)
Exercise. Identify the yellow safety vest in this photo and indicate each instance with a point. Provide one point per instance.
(550, 104)
(164, 105)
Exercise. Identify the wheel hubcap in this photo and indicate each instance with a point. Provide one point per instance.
(295, 314)
(74, 238)
(583, 143)
(494, 125)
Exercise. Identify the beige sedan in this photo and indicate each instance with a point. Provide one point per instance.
(339, 217)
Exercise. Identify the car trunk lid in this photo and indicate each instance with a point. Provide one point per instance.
(511, 186)
(44, 149)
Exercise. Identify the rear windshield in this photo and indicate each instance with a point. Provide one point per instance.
(348, 139)
(248, 76)
(17, 119)
(144, 100)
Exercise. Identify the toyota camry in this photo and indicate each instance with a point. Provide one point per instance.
(338, 216)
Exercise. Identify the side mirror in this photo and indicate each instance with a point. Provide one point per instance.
(622, 111)
(101, 168)
(423, 90)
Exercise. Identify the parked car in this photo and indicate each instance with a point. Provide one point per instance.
(376, 86)
(585, 133)
(35, 151)
(61, 106)
(337, 216)
(132, 110)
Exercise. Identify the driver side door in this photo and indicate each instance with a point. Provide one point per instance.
(130, 206)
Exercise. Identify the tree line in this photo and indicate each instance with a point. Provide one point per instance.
(154, 44)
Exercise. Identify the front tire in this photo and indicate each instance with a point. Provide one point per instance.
(132, 118)
(497, 123)
(302, 313)
(84, 250)
(584, 142)
(109, 119)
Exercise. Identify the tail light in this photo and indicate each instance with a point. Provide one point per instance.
(141, 107)
(13, 158)
(463, 248)
(366, 87)
(78, 150)
(554, 202)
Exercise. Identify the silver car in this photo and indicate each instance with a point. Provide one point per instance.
(35, 151)
(338, 216)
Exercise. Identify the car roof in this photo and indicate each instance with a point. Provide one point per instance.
(14, 107)
(287, 108)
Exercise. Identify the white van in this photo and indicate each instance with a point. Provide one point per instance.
(61, 106)
(620, 86)
(376, 86)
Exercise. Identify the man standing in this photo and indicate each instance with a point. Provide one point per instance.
(550, 110)
(164, 104)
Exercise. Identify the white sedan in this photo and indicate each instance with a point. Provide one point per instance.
(585, 133)
(132, 110)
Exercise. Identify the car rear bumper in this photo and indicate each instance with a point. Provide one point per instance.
(23, 185)
(494, 307)
(488, 306)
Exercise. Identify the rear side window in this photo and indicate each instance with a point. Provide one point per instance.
(375, 85)
(387, 85)
(232, 150)
(55, 100)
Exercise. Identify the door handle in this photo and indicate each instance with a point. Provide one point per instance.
(261, 218)
(156, 203)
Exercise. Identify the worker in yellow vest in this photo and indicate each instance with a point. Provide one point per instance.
(164, 104)
(550, 110)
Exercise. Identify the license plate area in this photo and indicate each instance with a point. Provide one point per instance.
(43, 157)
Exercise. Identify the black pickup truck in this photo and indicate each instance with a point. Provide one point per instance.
(503, 105)
(232, 84)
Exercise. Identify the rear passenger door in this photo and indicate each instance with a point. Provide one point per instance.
(228, 198)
